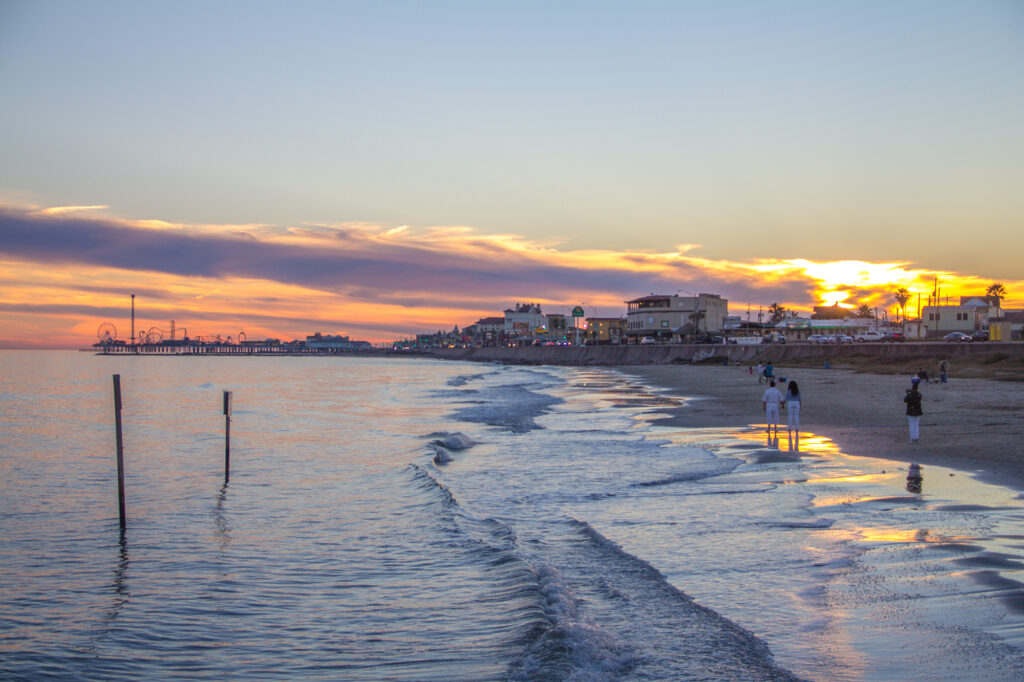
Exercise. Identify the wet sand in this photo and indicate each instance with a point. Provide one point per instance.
(974, 425)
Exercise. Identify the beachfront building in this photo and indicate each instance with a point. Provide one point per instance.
(490, 325)
(973, 313)
(831, 312)
(662, 316)
(523, 319)
(799, 328)
(557, 323)
(335, 342)
(606, 330)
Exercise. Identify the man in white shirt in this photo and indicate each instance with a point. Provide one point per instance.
(771, 400)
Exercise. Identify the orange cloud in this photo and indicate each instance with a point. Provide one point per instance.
(63, 274)
(58, 210)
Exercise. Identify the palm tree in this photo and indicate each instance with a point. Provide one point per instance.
(776, 313)
(902, 296)
(996, 290)
(864, 311)
(695, 317)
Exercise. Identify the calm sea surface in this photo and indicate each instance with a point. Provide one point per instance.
(423, 520)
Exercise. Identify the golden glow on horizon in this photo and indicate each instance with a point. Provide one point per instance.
(829, 298)
(40, 298)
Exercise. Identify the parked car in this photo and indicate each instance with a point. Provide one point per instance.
(711, 339)
(841, 338)
(773, 337)
(957, 337)
(980, 335)
(894, 337)
(647, 340)
(819, 338)
(870, 335)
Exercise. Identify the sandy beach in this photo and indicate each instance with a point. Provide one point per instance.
(975, 425)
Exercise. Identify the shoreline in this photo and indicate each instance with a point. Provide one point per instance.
(975, 426)
(1002, 361)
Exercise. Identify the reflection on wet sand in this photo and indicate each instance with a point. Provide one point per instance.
(914, 479)
(917, 575)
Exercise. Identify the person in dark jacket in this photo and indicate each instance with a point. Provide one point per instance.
(914, 411)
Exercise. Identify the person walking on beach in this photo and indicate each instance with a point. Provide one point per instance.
(943, 369)
(771, 400)
(792, 403)
(914, 411)
(769, 372)
(760, 373)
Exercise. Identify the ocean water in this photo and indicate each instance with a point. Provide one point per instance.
(413, 519)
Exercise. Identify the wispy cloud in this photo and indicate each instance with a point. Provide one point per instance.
(60, 210)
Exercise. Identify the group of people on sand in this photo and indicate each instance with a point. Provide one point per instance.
(943, 378)
(773, 400)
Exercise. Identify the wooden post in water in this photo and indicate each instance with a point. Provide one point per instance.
(227, 435)
(120, 448)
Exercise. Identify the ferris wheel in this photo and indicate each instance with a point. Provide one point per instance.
(106, 333)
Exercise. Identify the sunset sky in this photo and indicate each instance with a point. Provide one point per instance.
(380, 169)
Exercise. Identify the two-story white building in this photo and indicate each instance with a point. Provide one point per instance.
(972, 314)
(523, 319)
(662, 316)
(490, 325)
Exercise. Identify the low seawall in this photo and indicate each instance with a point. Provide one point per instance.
(690, 353)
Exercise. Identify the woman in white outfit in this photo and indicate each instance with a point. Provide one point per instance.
(792, 404)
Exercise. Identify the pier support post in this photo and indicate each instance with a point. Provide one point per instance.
(227, 435)
(120, 449)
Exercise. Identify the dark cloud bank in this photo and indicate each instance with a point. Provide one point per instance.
(369, 266)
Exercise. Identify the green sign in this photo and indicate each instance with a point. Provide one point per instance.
(578, 311)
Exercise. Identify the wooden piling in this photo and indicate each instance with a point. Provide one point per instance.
(227, 435)
(120, 449)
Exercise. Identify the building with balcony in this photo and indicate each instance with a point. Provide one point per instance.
(662, 316)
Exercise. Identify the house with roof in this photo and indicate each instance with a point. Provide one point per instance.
(490, 325)
(973, 313)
